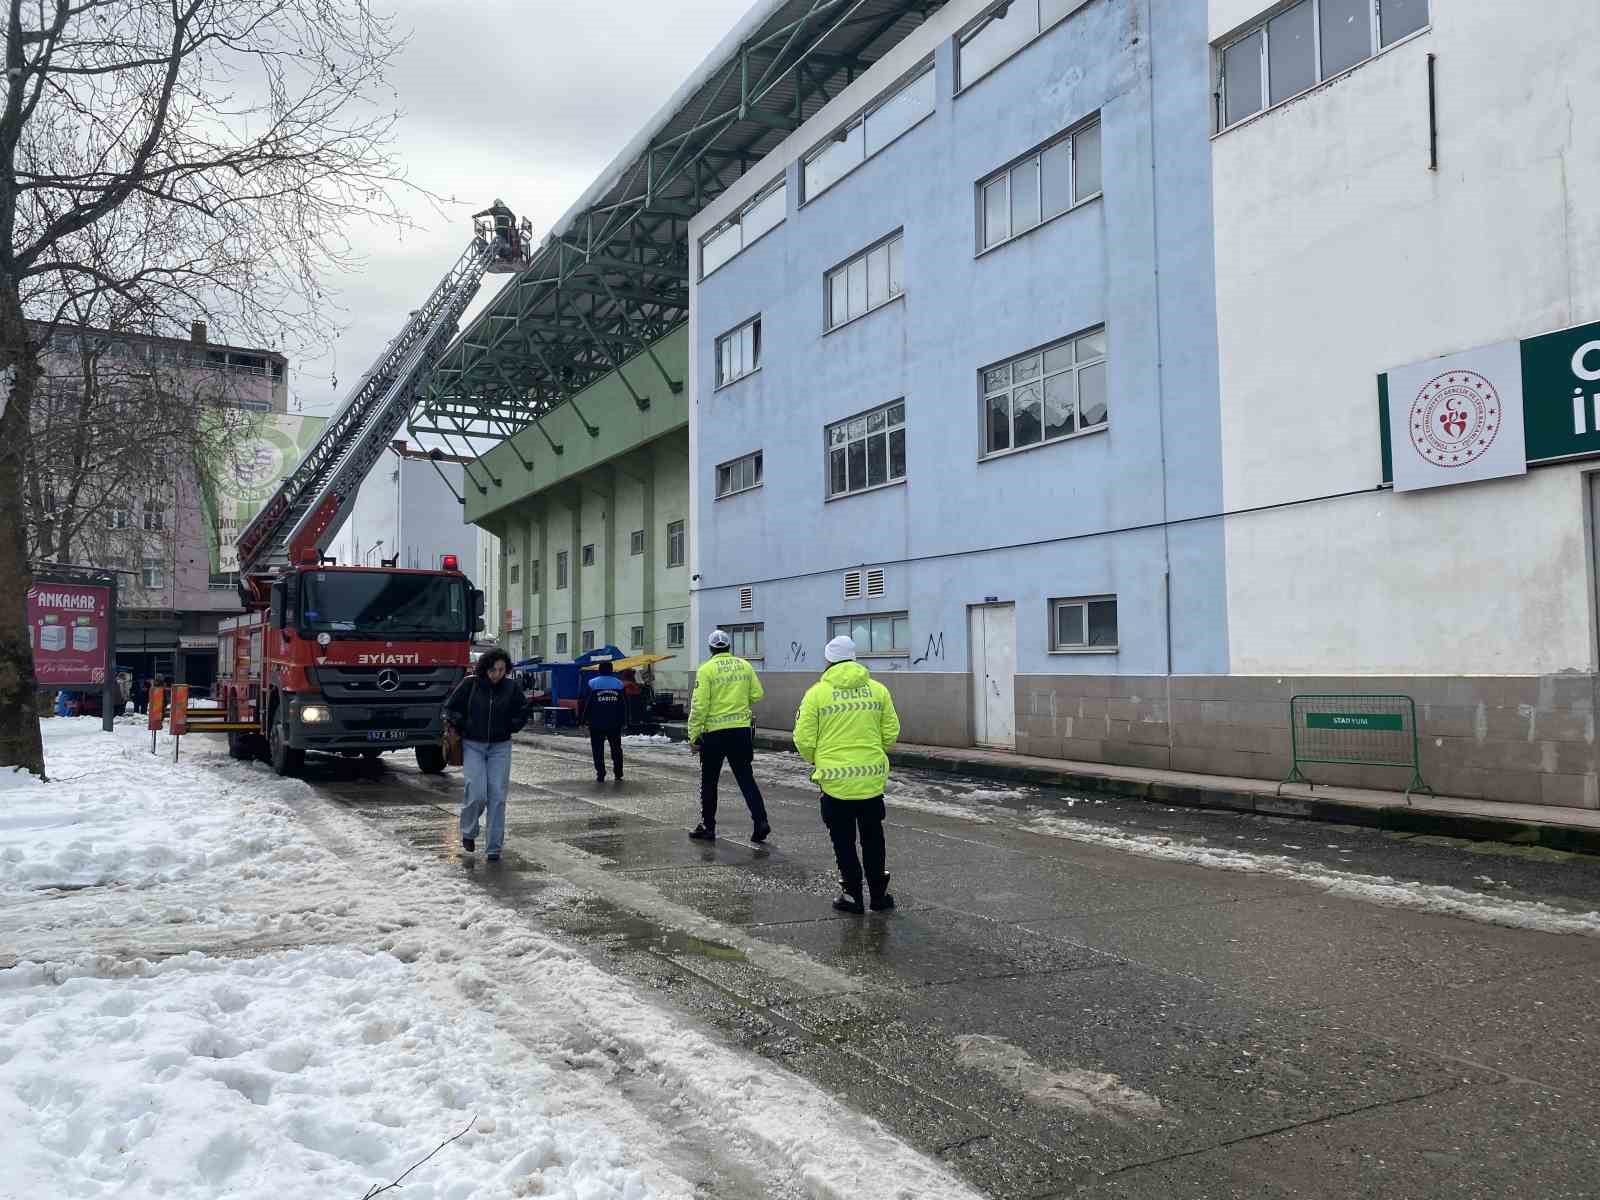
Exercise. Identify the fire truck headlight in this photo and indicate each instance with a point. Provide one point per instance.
(315, 714)
(324, 639)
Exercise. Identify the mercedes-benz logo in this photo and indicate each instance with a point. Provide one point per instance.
(389, 680)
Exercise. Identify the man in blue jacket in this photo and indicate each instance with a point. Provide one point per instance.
(606, 710)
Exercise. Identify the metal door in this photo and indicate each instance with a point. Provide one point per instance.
(992, 636)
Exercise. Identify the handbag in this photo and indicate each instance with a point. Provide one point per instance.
(450, 739)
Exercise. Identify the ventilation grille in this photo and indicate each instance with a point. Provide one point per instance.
(747, 599)
(852, 585)
(875, 581)
(863, 583)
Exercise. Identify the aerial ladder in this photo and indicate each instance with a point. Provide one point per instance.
(308, 509)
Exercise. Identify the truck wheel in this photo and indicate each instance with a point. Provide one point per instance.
(239, 746)
(430, 760)
(286, 760)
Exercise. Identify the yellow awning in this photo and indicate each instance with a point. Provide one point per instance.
(633, 663)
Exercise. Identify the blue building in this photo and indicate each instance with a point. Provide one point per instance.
(953, 376)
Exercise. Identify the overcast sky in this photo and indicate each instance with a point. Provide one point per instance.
(527, 102)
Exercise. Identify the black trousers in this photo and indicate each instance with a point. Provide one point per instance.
(597, 743)
(738, 748)
(845, 819)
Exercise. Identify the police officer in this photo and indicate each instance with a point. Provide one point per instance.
(845, 724)
(605, 710)
(720, 728)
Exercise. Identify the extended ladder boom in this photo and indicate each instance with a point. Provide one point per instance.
(310, 506)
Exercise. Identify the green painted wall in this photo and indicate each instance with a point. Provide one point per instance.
(631, 475)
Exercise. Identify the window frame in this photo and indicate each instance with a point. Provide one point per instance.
(677, 529)
(1036, 156)
(636, 637)
(722, 381)
(738, 628)
(780, 184)
(754, 458)
(563, 573)
(561, 643)
(515, 574)
(535, 583)
(1057, 603)
(586, 641)
(889, 240)
(152, 574)
(586, 555)
(829, 495)
(989, 16)
(858, 121)
(675, 641)
(1075, 369)
(636, 543)
(1258, 25)
(893, 615)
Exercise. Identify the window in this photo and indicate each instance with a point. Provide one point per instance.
(155, 515)
(867, 133)
(869, 280)
(534, 576)
(561, 644)
(1045, 395)
(738, 352)
(1043, 185)
(636, 637)
(674, 634)
(1301, 46)
(561, 569)
(117, 518)
(588, 555)
(533, 646)
(675, 544)
(746, 640)
(875, 634)
(740, 475)
(737, 232)
(867, 451)
(588, 639)
(1084, 625)
(1003, 32)
(152, 576)
(636, 542)
(516, 572)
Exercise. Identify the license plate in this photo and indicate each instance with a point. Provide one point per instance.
(385, 735)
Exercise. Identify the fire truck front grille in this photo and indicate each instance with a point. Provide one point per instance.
(377, 684)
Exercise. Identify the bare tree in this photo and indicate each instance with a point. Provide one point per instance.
(186, 157)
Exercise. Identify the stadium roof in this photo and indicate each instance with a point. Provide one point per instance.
(612, 276)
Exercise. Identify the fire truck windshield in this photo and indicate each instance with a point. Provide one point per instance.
(384, 604)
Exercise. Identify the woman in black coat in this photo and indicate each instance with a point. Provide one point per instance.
(486, 708)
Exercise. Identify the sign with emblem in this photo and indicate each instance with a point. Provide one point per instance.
(1468, 416)
(1457, 419)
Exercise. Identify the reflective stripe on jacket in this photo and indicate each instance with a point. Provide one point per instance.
(725, 687)
(845, 724)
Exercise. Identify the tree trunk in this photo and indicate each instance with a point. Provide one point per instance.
(20, 744)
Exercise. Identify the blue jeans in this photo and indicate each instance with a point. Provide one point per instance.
(487, 767)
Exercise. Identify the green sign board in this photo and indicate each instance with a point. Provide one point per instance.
(1560, 398)
(1381, 722)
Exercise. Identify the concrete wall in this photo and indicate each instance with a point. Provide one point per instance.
(1340, 255)
(1079, 517)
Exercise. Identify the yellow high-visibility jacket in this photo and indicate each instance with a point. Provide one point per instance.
(725, 687)
(845, 724)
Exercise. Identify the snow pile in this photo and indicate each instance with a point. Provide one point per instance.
(1373, 889)
(230, 985)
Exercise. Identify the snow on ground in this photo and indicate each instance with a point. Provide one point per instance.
(1374, 889)
(227, 985)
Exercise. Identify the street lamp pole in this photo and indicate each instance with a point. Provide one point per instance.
(366, 559)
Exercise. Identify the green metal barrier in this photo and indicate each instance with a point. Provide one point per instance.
(1365, 731)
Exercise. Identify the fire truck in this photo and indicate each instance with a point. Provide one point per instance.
(353, 660)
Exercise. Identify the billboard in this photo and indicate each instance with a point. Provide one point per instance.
(69, 630)
(264, 451)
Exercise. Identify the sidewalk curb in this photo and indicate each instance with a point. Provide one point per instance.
(1264, 802)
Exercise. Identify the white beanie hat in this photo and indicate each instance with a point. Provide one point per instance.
(841, 649)
(719, 640)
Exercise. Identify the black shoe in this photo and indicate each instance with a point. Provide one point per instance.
(701, 834)
(849, 900)
(619, 776)
(468, 845)
(882, 901)
(494, 857)
(759, 833)
(600, 777)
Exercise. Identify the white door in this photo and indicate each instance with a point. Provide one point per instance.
(992, 636)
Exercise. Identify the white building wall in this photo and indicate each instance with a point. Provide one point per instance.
(1340, 255)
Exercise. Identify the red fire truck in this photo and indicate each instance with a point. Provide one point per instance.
(344, 659)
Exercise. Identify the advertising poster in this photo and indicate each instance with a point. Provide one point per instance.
(69, 628)
(265, 452)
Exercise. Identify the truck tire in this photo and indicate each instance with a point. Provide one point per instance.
(239, 746)
(286, 760)
(430, 760)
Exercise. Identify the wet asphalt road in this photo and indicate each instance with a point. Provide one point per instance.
(1265, 1037)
